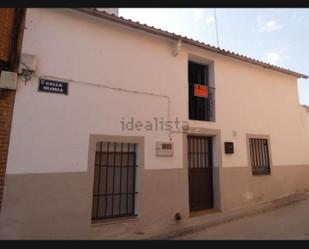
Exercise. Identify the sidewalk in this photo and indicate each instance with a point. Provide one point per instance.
(200, 223)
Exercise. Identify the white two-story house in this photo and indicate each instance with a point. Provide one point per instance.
(119, 125)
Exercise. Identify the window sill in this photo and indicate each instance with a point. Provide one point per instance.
(114, 220)
(202, 120)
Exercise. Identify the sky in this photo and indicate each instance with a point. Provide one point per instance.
(277, 36)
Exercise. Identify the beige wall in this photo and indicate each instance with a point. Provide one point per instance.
(239, 188)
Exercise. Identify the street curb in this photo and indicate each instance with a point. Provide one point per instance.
(233, 215)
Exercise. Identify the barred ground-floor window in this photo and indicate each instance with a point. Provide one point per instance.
(259, 156)
(114, 189)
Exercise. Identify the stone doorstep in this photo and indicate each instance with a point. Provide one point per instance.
(196, 224)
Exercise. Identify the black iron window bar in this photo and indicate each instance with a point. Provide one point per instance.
(114, 190)
(259, 154)
(201, 108)
(199, 155)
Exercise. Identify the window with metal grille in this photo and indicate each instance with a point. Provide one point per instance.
(114, 190)
(200, 107)
(259, 155)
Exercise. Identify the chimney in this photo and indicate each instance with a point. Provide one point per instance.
(113, 11)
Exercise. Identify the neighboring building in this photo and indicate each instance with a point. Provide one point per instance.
(11, 29)
(124, 122)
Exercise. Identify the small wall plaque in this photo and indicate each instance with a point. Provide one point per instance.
(229, 147)
(8, 80)
(53, 86)
(164, 148)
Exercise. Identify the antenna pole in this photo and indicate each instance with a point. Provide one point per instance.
(216, 27)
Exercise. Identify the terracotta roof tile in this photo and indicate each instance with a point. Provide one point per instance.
(185, 39)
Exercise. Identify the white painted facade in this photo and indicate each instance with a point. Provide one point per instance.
(50, 132)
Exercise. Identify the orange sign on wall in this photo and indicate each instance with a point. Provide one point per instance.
(200, 91)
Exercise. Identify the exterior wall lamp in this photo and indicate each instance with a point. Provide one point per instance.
(27, 66)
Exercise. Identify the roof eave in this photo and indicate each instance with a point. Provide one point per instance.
(166, 34)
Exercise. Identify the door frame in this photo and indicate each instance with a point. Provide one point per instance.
(215, 135)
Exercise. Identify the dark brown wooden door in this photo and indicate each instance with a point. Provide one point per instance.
(200, 172)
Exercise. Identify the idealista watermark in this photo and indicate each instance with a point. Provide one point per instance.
(157, 124)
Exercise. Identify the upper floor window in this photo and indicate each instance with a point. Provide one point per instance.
(201, 95)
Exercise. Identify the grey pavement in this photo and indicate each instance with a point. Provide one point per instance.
(286, 223)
